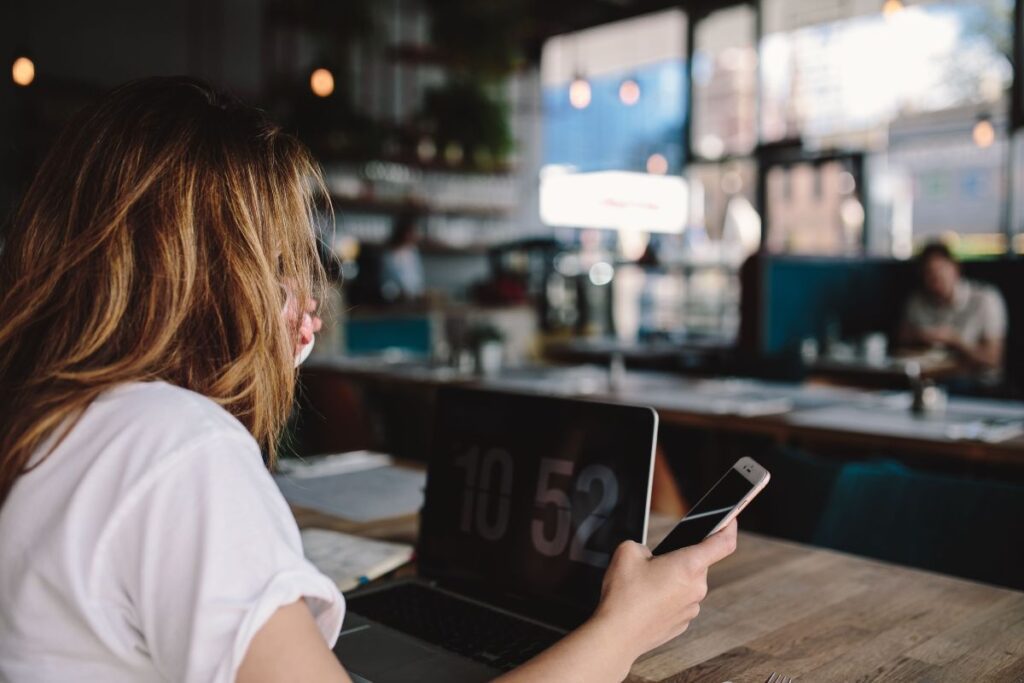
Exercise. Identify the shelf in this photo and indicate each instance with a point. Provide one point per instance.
(395, 207)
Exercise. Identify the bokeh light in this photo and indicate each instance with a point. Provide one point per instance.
(891, 8)
(321, 82)
(629, 92)
(984, 133)
(23, 71)
(657, 164)
(579, 93)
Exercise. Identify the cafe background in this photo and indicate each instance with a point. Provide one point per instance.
(707, 189)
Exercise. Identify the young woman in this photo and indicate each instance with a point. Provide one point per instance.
(156, 284)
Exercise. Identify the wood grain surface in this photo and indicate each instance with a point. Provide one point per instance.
(820, 615)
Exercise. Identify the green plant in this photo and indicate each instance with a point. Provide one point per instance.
(462, 112)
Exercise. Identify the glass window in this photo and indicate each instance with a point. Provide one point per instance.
(840, 73)
(815, 207)
(943, 176)
(614, 109)
(922, 89)
(1017, 195)
(614, 96)
(725, 84)
(723, 207)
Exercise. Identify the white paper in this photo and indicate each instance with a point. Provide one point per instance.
(366, 495)
(349, 560)
(338, 463)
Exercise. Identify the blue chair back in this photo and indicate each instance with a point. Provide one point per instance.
(965, 527)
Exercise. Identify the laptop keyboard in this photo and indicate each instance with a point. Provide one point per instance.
(460, 626)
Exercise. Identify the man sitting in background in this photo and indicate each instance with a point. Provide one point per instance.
(965, 317)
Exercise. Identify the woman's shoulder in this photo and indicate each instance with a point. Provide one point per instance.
(163, 407)
(142, 427)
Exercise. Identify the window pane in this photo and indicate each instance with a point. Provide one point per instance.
(814, 208)
(615, 95)
(614, 110)
(725, 83)
(943, 177)
(838, 73)
(723, 212)
(922, 89)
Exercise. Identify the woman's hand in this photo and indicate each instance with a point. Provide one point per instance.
(645, 602)
(651, 600)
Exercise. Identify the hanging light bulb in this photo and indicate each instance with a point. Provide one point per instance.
(984, 133)
(891, 8)
(321, 82)
(579, 93)
(629, 92)
(23, 71)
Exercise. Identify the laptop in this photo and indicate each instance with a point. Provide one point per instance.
(527, 497)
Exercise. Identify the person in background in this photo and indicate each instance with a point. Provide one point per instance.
(401, 269)
(159, 280)
(948, 311)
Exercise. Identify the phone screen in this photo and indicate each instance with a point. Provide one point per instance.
(707, 513)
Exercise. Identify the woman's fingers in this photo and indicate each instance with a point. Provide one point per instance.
(712, 549)
(717, 546)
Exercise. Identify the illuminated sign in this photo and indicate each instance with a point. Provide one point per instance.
(620, 200)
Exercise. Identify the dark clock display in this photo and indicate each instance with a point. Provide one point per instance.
(534, 495)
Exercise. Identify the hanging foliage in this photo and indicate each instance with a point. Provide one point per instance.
(462, 113)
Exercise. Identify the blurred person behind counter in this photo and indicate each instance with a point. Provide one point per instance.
(391, 273)
(964, 317)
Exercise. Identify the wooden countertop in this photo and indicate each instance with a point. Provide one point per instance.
(820, 615)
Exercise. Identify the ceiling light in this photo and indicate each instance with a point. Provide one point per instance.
(657, 164)
(891, 8)
(984, 133)
(321, 82)
(579, 93)
(629, 92)
(23, 71)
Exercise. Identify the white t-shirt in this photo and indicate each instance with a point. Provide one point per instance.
(151, 545)
(976, 313)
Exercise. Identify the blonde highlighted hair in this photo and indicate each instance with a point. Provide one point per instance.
(152, 245)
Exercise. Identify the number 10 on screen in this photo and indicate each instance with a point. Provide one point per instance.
(496, 466)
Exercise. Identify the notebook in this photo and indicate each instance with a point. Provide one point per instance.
(351, 561)
(357, 487)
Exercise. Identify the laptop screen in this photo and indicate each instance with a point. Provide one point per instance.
(528, 497)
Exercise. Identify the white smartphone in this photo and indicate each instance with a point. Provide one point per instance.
(719, 506)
